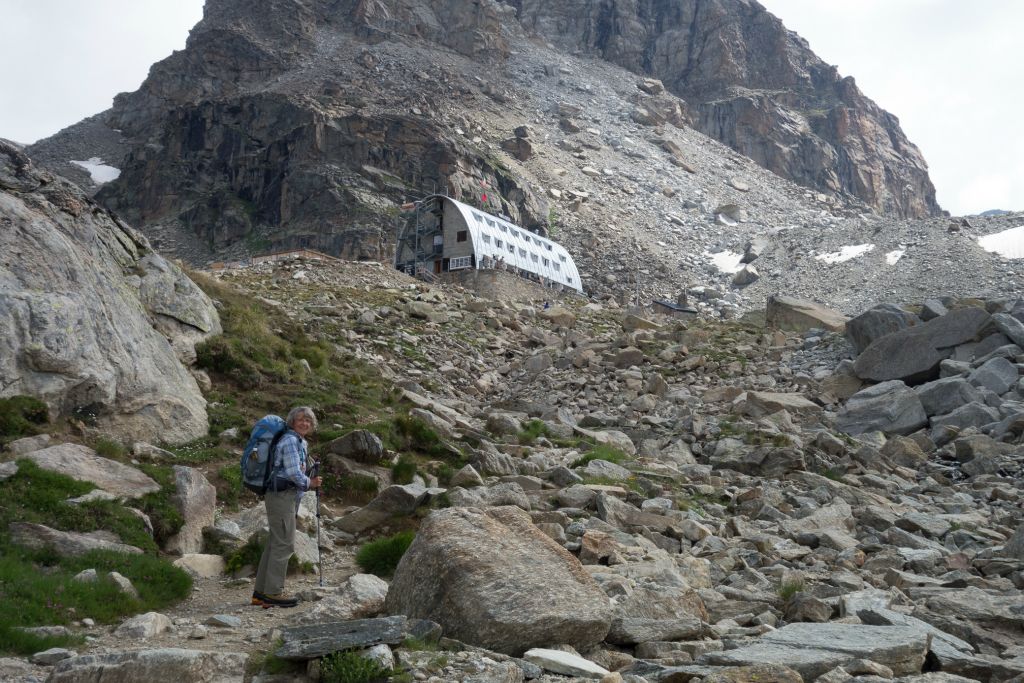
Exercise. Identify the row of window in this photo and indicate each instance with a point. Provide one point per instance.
(506, 228)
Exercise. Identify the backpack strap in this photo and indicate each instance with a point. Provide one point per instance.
(273, 464)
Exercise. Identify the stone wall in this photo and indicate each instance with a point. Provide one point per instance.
(503, 286)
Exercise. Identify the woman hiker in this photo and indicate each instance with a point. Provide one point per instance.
(287, 485)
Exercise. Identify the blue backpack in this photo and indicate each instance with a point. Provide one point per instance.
(258, 457)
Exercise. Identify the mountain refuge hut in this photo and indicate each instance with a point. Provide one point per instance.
(446, 236)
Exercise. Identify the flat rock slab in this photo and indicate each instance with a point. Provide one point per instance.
(67, 544)
(787, 313)
(165, 664)
(83, 464)
(565, 663)
(317, 640)
(813, 649)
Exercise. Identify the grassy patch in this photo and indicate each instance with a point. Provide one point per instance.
(351, 667)
(407, 434)
(532, 430)
(403, 471)
(381, 557)
(39, 496)
(108, 448)
(602, 452)
(790, 588)
(163, 514)
(21, 416)
(36, 586)
(361, 488)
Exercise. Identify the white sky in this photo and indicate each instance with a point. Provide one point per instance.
(951, 70)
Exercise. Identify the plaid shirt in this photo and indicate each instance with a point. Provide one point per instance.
(291, 452)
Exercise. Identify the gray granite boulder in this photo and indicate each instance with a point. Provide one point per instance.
(891, 407)
(491, 578)
(913, 354)
(877, 322)
(813, 649)
(946, 395)
(997, 375)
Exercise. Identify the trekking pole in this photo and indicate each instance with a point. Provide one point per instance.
(319, 557)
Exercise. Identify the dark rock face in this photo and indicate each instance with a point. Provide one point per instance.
(276, 126)
(755, 86)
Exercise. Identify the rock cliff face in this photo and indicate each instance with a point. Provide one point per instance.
(95, 323)
(307, 124)
(755, 86)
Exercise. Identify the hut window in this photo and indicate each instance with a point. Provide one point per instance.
(460, 263)
(461, 235)
(490, 222)
(561, 258)
(515, 234)
(478, 217)
(548, 247)
(535, 258)
(547, 263)
(558, 266)
(487, 238)
(522, 252)
(499, 243)
(504, 228)
(511, 248)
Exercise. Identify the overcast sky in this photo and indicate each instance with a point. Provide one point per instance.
(951, 70)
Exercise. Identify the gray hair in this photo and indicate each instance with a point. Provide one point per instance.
(301, 410)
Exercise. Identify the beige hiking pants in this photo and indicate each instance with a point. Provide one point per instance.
(280, 543)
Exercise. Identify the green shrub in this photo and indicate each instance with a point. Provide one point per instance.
(790, 588)
(381, 557)
(351, 667)
(532, 430)
(602, 452)
(403, 471)
(109, 448)
(358, 487)
(158, 506)
(21, 416)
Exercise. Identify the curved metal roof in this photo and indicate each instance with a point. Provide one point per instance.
(494, 237)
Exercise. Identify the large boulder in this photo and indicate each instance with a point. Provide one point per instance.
(877, 322)
(787, 313)
(946, 395)
(890, 407)
(491, 578)
(84, 464)
(87, 308)
(165, 664)
(913, 354)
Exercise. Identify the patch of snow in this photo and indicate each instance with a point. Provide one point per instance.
(893, 257)
(1008, 243)
(100, 172)
(846, 253)
(726, 261)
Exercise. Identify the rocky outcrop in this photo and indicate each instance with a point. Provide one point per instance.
(93, 316)
(755, 86)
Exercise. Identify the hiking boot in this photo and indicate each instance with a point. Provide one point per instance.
(258, 598)
(279, 600)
